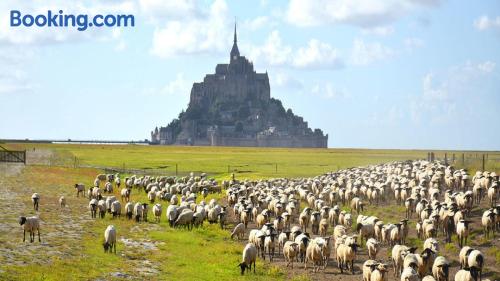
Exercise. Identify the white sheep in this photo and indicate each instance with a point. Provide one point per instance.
(185, 219)
(30, 224)
(466, 274)
(409, 274)
(157, 211)
(129, 210)
(125, 194)
(476, 260)
(368, 267)
(464, 256)
(431, 243)
(373, 246)
(35, 198)
(249, 258)
(93, 207)
(270, 245)
(314, 253)
(290, 252)
(238, 231)
(462, 232)
(62, 201)
(109, 239)
(101, 205)
(116, 209)
(398, 254)
(488, 222)
(138, 208)
(440, 269)
(346, 254)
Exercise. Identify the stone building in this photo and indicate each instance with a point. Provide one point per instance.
(233, 107)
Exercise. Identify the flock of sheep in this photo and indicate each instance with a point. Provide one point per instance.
(437, 197)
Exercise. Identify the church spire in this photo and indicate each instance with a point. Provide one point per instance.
(235, 53)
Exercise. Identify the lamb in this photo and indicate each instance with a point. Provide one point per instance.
(373, 246)
(80, 188)
(238, 231)
(116, 209)
(290, 252)
(93, 208)
(249, 258)
(409, 274)
(62, 201)
(346, 253)
(125, 194)
(476, 261)
(30, 224)
(35, 198)
(157, 211)
(462, 232)
(109, 239)
(440, 269)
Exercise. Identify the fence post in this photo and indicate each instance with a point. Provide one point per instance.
(453, 158)
(463, 159)
(228, 168)
(25, 157)
(276, 168)
(176, 170)
(445, 158)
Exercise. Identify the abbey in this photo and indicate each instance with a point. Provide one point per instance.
(233, 107)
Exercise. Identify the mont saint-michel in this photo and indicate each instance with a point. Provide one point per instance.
(234, 107)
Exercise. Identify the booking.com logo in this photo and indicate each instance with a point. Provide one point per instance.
(60, 19)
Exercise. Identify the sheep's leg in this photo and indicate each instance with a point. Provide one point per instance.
(39, 240)
(24, 235)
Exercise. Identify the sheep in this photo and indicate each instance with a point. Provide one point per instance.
(249, 258)
(238, 231)
(151, 196)
(101, 205)
(348, 220)
(138, 211)
(129, 209)
(125, 194)
(365, 230)
(279, 224)
(314, 253)
(339, 231)
(80, 188)
(304, 218)
(379, 273)
(428, 278)
(492, 195)
(260, 219)
(62, 201)
(476, 260)
(157, 211)
(93, 208)
(302, 240)
(30, 224)
(108, 187)
(172, 214)
(373, 246)
(464, 256)
(346, 253)
(185, 219)
(488, 222)
(409, 274)
(357, 205)
(109, 201)
(462, 232)
(398, 254)
(420, 262)
(440, 269)
(116, 209)
(420, 229)
(290, 252)
(270, 245)
(222, 219)
(144, 214)
(431, 243)
(368, 267)
(35, 198)
(109, 239)
(466, 274)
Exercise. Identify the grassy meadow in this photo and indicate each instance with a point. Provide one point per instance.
(71, 246)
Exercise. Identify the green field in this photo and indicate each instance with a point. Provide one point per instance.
(206, 253)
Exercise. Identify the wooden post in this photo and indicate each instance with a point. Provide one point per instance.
(25, 157)
(176, 170)
(445, 158)
(453, 158)
(463, 159)
(276, 168)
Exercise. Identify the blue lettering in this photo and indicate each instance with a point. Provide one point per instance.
(15, 18)
(28, 20)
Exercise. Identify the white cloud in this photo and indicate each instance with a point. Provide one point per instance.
(194, 35)
(256, 23)
(285, 81)
(180, 86)
(366, 53)
(485, 22)
(13, 78)
(379, 30)
(315, 55)
(355, 12)
(162, 10)
(487, 66)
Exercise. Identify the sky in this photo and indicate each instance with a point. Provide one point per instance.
(420, 74)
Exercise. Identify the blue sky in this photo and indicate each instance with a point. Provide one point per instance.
(373, 74)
